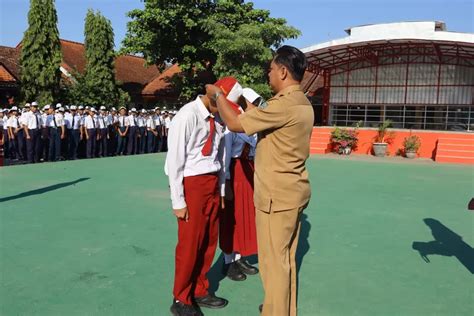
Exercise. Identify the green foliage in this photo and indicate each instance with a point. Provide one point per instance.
(344, 137)
(41, 56)
(227, 38)
(97, 86)
(383, 134)
(98, 82)
(412, 143)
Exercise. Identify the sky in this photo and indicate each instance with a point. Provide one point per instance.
(318, 20)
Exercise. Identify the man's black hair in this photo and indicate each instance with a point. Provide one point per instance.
(293, 59)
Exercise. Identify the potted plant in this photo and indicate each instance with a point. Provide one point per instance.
(411, 144)
(344, 140)
(382, 139)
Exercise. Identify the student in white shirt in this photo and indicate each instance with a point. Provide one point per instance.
(159, 131)
(132, 132)
(21, 132)
(112, 123)
(90, 128)
(141, 132)
(32, 126)
(194, 165)
(74, 132)
(151, 133)
(166, 125)
(6, 137)
(237, 230)
(122, 131)
(60, 116)
(103, 133)
(54, 123)
(12, 128)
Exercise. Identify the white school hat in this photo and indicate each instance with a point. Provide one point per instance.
(250, 94)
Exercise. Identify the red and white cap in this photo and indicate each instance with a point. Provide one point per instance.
(231, 89)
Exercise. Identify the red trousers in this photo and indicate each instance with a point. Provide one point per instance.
(197, 238)
(237, 231)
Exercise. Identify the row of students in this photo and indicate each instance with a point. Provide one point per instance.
(31, 136)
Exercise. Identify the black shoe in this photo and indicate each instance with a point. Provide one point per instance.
(181, 309)
(211, 301)
(245, 267)
(260, 308)
(233, 272)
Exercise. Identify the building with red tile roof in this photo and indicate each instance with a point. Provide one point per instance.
(144, 83)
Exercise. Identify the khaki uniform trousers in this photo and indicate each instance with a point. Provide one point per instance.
(277, 236)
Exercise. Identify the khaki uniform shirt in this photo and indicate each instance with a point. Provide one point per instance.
(284, 127)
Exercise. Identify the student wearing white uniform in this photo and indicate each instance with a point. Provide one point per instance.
(61, 114)
(132, 132)
(21, 132)
(112, 125)
(151, 133)
(6, 138)
(122, 131)
(32, 127)
(142, 132)
(74, 132)
(166, 125)
(103, 135)
(2, 141)
(159, 131)
(194, 165)
(81, 148)
(12, 128)
(54, 124)
(90, 128)
(237, 230)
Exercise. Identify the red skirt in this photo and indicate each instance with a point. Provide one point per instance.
(237, 231)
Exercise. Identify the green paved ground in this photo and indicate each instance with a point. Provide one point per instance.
(97, 237)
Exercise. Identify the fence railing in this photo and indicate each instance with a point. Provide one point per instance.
(431, 117)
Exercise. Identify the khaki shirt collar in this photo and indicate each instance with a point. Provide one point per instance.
(288, 89)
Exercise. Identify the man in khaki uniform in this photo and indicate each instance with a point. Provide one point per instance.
(282, 189)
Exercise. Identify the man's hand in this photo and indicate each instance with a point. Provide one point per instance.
(181, 213)
(211, 90)
(62, 136)
(222, 202)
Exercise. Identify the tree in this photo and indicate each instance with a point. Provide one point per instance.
(97, 85)
(99, 77)
(40, 58)
(227, 37)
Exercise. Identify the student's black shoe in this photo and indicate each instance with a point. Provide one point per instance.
(233, 272)
(260, 308)
(181, 309)
(211, 301)
(245, 267)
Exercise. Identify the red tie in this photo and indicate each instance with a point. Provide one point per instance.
(207, 149)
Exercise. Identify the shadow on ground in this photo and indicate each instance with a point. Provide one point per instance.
(445, 243)
(42, 190)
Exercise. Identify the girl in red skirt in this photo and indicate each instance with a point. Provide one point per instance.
(238, 237)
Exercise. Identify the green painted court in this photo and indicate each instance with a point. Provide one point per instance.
(97, 237)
